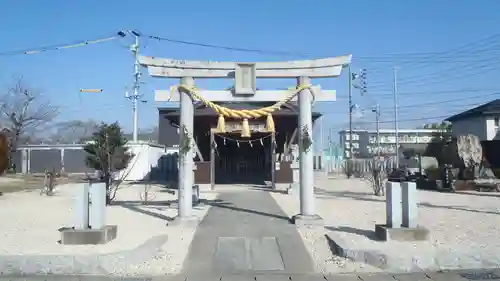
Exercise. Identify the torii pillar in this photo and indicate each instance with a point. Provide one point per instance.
(245, 75)
(307, 214)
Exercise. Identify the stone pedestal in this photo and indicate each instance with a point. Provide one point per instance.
(307, 221)
(191, 221)
(401, 214)
(71, 236)
(90, 224)
(385, 233)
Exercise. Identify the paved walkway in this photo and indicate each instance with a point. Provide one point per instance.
(456, 275)
(245, 231)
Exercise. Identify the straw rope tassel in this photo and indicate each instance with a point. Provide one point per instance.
(221, 124)
(270, 123)
(245, 129)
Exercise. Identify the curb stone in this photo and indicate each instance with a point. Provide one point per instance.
(15, 265)
(371, 257)
(439, 261)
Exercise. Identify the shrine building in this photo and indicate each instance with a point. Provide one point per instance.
(232, 159)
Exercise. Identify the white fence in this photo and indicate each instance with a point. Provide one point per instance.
(359, 166)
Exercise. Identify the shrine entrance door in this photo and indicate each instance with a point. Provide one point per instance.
(243, 160)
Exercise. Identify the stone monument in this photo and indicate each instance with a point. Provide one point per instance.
(90, 218)
(401, 214)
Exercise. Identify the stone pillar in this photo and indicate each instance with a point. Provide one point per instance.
(307, 214)
(295, 186)
(186, 162)
(306, 156)
(24, 161)
(28, 168)
(409, 202)
(62, 160)
(82, 206)
(98, 205)
(393, 204)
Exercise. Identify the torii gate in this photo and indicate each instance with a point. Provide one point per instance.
(245, 89)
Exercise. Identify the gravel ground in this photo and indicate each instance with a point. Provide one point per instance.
(464, 227)
(145, 244)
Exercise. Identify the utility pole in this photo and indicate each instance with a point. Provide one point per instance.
(137, 76)
(396, 129)
(350, 111)
(363, 88)
(330, 150)
(377, 121)
(322, 145)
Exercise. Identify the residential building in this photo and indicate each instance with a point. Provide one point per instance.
(364, 142)
(482, 121)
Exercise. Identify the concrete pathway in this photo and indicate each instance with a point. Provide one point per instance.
(455, 275)
(245, 231)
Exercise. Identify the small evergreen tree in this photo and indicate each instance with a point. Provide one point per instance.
(106, 152)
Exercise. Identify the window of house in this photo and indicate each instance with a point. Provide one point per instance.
(496, 121)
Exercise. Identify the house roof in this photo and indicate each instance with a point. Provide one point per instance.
(289, 109)
(487, 109)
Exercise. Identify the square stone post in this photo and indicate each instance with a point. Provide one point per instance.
(98, 205)
(24, 161)
(82, 206)
(409, 202)
(295, 185)
(186, 163)
(62, 160)
(393, 204)
(307, 214)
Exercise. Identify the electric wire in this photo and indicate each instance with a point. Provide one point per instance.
(82, 43)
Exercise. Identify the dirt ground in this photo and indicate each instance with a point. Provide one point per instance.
(22, 182)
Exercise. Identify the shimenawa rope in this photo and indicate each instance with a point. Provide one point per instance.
(244, 114)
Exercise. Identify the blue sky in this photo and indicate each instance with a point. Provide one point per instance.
(370, 30)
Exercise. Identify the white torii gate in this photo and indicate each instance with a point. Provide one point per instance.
(245, 75)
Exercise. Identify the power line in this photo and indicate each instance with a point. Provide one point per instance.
(460, 49)
(441, 102)
(406, 120)
(474, 52)
(417, 105)
(37, 50)
(434, 93)
(228, 48)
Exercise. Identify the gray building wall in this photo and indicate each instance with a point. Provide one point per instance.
(74, 161)
(168, 135)
(48, 157)
(41, 160)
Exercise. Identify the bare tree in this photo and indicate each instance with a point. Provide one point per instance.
(23, 110)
